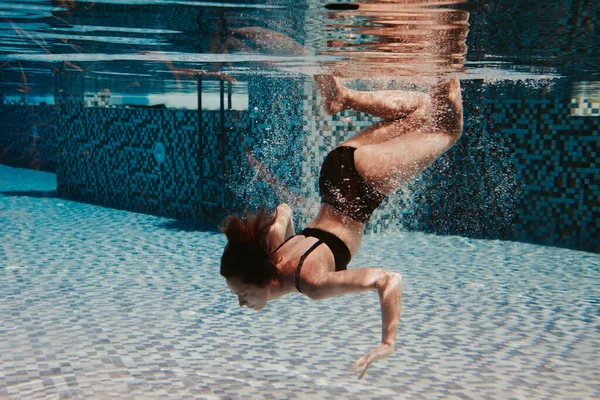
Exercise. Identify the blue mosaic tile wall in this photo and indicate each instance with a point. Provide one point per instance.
(147, 160)
(525, 169)
(28, 135)
(556, 153)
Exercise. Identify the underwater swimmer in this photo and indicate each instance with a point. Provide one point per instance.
(265, 259)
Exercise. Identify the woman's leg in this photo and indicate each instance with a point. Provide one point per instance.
(387, 104)
(391, 153)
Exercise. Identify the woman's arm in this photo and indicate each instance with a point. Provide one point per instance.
(282, 228)
(389, 287)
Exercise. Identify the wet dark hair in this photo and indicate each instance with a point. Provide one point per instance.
(246, 256)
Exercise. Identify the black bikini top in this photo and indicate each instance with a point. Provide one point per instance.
(341, 253)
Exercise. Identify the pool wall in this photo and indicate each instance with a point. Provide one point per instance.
(141, 159)
(525, 168)
(27, 135)
(555, 150)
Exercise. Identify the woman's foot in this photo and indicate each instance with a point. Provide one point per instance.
(447, 101)
(332, 93)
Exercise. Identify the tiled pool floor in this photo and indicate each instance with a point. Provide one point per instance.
(97, 303)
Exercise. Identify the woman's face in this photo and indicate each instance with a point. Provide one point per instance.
(251, 296)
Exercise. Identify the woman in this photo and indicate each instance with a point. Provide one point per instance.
(264, 259)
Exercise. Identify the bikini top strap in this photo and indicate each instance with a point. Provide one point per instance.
(284, 242)
(301, 263)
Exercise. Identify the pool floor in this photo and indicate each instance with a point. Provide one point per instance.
(97, 303)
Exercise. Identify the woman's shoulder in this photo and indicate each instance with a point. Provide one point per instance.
(281, 228)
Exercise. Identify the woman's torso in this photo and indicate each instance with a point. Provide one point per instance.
(348, 230)
(321, 258)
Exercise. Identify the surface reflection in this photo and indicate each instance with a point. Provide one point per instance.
(400, 38)
(354, 40)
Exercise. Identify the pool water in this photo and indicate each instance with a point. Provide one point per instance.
(101, 303)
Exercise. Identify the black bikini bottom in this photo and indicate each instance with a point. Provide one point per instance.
(343, 188)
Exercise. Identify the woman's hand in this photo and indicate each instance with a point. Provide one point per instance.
(389, 287)
(285, 211)
(287, 216)
(282, 227)
(363, 363)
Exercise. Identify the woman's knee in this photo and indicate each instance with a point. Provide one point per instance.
(456, 131)
(451, 126)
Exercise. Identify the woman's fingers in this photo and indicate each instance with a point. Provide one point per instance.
(357, 363)
(364, 362)
(364, 371)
